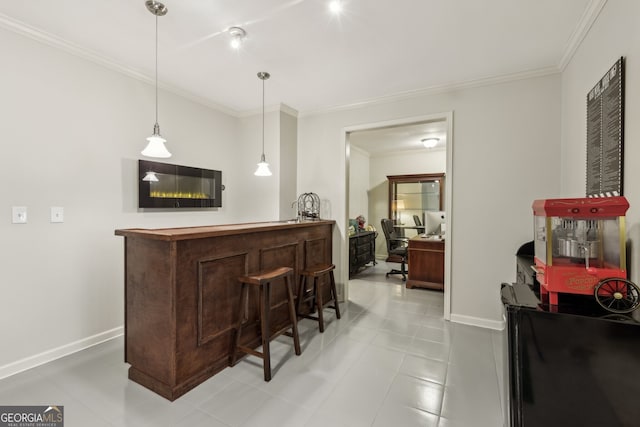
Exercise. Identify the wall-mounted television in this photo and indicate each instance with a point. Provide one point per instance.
(163, 185)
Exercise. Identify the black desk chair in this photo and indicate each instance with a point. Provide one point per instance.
(396, 245)
(416, 219)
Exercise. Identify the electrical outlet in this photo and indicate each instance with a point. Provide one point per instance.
(57, 214)
(19, 214)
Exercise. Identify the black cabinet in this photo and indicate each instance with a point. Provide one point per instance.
(362, 250)
(572, 364)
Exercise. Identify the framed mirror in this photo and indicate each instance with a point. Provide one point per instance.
(416, 203)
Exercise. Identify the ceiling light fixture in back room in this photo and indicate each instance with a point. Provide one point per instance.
(263, 166)
(430, 142)
(155, 146)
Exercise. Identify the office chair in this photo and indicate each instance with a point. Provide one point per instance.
(396, 245)
(418, 223)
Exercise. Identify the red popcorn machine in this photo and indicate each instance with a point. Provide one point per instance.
(580, 248)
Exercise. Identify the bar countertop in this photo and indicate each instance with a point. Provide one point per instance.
(202, 232)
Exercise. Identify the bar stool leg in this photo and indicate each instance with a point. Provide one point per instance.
(335, 293)
(265, 297)
(301, 292)
(293, 316)
(238, 329)
(317, 290)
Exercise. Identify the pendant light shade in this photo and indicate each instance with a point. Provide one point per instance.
(263, 166)
(155, 145)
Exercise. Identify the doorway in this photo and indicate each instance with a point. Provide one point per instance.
(391, 150)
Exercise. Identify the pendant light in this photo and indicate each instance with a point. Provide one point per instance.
(155, 146)
(263, 166)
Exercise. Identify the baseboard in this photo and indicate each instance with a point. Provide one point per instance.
(478, 321)
(56, 353)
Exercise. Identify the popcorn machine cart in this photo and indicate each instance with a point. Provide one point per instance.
(580, 249)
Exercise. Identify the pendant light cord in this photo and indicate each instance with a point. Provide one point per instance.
(156, 70)
(263, 120)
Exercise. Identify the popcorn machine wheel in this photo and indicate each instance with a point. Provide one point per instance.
(617, 295)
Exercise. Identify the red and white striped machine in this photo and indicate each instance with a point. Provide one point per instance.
(578, 243)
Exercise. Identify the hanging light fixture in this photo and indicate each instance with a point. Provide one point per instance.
(155, 146)
(263, 166)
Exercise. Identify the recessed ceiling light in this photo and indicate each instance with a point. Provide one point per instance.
(237, 36)
(335, 6)
(430, 142)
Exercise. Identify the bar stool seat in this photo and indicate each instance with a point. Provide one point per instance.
(314, 274)
(263, 280)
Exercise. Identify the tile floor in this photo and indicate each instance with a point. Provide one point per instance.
(390, 361)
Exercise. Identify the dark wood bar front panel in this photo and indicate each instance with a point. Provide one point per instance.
(182, 294)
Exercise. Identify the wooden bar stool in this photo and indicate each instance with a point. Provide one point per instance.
(263, 281)
(315, 292)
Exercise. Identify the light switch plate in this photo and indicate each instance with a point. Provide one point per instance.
(57, 214)
(19, 214)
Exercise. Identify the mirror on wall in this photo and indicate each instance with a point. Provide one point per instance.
(416, 203)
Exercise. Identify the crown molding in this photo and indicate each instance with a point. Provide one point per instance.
(589, 16)
(359, 150)
(25, 30)
(284, 108)
(449, 87)
(289, 110)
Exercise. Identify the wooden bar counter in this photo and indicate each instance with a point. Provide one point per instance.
(182, 293)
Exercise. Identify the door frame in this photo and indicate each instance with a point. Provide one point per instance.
(448, 118)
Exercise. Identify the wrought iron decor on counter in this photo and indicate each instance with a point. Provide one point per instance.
(308, 206)
(605, 134)
(162, 185)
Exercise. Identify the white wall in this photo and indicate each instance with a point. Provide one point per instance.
(256, 197)
(506, 146)
(358, 183)
(72, 132)
(288, 165)
(615, 33)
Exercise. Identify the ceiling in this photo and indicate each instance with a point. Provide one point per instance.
(403, 138)
(318, 61)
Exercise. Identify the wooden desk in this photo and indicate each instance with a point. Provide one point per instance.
(182, 293)
(426, 263)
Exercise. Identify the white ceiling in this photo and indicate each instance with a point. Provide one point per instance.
(374, 49)
(382, 141)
